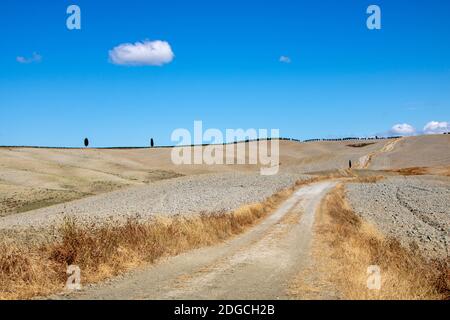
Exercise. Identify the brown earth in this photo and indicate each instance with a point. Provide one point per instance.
(31, 178)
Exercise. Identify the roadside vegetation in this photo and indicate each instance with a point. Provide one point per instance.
(346, 246)
(104, 251)
(418, 171)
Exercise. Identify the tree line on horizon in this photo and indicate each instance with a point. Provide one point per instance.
(152, 142)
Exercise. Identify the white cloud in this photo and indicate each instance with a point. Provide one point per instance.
(403, 129)
(35, 58)
(145, 53)
(436, 127)
(285, 59)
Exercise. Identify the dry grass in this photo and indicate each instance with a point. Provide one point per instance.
(330, 175)
(346, 246)
(417, 171)
(355, 176)
(108, 250)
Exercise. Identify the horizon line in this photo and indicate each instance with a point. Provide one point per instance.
(210, 144)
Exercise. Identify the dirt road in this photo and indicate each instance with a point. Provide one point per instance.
(365, 161)
(259, 264)
(32, 178)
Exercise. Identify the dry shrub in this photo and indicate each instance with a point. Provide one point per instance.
(418, 171)
(360, 145)
(102, 251)
(25, 270)
(415, 171)
(352, 245)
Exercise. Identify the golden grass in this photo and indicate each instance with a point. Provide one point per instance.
(331, 175)
(414, 171)
(354, 176)
(346, 246)
(417, 171)
(103, 251)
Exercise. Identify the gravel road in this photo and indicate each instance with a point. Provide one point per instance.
(184, 195)
(412, 209)
(260, 264)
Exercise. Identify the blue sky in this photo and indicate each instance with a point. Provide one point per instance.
(343, 79)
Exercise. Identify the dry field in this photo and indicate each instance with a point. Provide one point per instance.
(32, 178)
(413, 209)
(346, 245)
(38, 268)
(110, 210)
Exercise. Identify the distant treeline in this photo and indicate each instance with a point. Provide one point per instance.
(353, 138)
(287, 139)
(248, 140)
